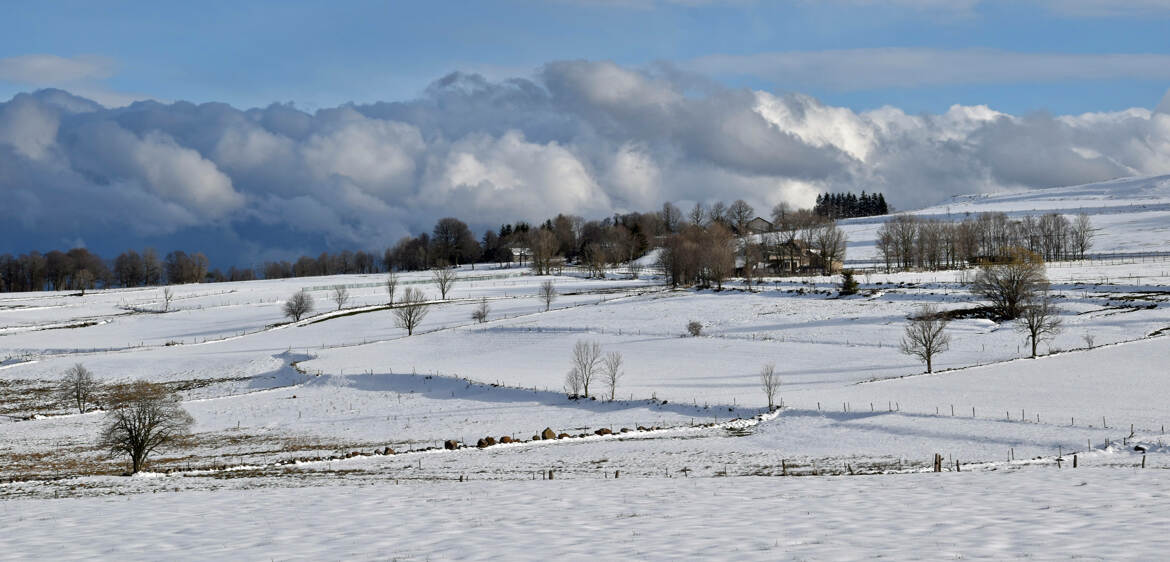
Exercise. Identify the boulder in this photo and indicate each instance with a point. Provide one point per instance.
(536, 438)
(450, 444)
(506, 439)
(563, 436)
(604, 431)
(548, 433)
(643, 428)
(481, 443)
(387, 451)
(625, 430)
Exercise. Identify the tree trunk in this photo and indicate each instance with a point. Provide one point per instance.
(1033, 347)
(928, 366)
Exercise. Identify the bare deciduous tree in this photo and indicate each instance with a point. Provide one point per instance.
(829, 242)
(1011, 282)
(573, 383)
(586, 362)
(411, 310)
(1082, 235)
(445, 278)
(391, 286)
(925, 336)
(168, 295)
(611, 370)
(698, 215)
(143, 418)
(298, 305)
(770, 382)
(740, 214)
(480, 314)
(78, 388)
(340, 296)
(548, 293)
(1038, 320)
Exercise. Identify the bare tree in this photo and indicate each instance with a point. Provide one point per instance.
(925, 336)
(586, 362)
(543, 245)
(1011, 282)
(548, 293)
(740, 214)
(445, 278)
(573, 383)
(340, 296)
(1038, 319)
(298, 305)
(411, 310)
(480, 314)
(78, 388)
(167, 295)
(143, 418)
(1082, 235)
(698, 215)
(634, 268)
(391, 285)
(770, 382)
(829, 242)
(611, 370)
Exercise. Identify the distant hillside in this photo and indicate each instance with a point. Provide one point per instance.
(1130, 214)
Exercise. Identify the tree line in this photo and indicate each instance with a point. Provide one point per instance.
(593, 244)
(847, 205)
(907, 241)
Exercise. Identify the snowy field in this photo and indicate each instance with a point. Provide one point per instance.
(1040, 514)
(292, 419)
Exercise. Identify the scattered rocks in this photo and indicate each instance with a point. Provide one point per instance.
(485, 442)
(643, 428)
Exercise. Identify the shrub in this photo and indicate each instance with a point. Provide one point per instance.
(695, 328)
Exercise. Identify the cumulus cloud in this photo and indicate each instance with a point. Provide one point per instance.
(588, 138)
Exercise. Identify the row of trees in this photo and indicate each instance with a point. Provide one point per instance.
(596, 244)
(907, 241)
(81, 270)
(847, 205)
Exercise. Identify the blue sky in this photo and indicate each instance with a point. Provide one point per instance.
(321, 54)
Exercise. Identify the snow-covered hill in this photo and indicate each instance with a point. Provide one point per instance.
(1130, 215)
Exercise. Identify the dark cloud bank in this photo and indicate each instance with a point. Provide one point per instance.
(589, 138)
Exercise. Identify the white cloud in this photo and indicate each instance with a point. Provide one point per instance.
(581, 137)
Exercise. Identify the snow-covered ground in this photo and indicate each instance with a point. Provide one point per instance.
(1039, 514)
(841, 471)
